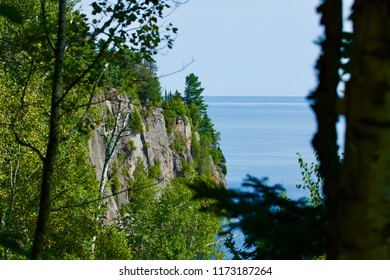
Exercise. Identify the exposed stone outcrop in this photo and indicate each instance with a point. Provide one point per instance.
(153, 146)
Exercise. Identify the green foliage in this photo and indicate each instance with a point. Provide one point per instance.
(312, 181)
(205, 150)
(136, 121)
(132, 146)
(11, 245)
(192, 93)
(154, 171)
(141, 189)
(206, 129)
(187, 169)
(129, 72)
(116, 183)
(174, 108)
(171, 226)
(195, 150)
(178, 143)
(145, 14)
(274, 226)
(170, 120)
(112, 245)
(219, 159)
(11, 13)
(148, 84)
(175, 103)
(194, 100)
(119, 63)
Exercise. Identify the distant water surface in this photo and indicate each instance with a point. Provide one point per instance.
(261, 136)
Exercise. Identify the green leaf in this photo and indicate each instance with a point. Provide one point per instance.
(11, 13)
(132, 17)
(96, 8)
(10, 242)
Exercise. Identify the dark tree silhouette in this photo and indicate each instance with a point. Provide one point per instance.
(274, 226)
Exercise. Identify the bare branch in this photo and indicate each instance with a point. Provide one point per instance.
(25, 86)
(185, 66)
(28, 145)
(86, 111)
(18, 139)
(89, 201)
(177, 5)
(86, 71)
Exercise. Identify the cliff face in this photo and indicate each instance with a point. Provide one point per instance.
(153, 146)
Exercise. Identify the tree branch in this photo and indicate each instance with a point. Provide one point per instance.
(86, 111)
(43, 14)
(185, 65)
(89, 201)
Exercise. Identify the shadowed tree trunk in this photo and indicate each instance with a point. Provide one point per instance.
(365, 185)
(53, 141)
(324, 105)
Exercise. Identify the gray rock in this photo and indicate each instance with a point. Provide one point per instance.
(153, 145)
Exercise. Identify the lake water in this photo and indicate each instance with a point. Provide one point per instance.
(261, 136)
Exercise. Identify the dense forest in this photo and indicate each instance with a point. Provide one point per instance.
(69, 80)
(66, 80)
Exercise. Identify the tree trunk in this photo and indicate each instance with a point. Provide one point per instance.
(53, 142)
(365, 185)
(325, 97)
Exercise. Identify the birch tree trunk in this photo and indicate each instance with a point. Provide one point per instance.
(111, 137)
(364, 216)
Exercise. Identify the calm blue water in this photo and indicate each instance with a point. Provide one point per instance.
(261, 136)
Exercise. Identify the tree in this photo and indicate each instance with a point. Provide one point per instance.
(193, 90)
(169, 225)
(193, 98)
(357, 191)
(148, 84)
(115, 32)
(324, 99)
(274, 226)
(206, 128)
(364, 179)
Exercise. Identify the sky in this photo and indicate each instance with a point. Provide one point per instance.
(244, 48)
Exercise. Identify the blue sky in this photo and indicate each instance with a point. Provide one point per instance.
(246, 47)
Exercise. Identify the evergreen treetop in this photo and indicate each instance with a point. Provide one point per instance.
(193, 91)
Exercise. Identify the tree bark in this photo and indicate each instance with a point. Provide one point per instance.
(54, 137)
(324, 106)
(365, 185)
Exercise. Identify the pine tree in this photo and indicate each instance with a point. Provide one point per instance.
(193, 91)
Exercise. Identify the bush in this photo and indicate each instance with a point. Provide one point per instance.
(136, 121)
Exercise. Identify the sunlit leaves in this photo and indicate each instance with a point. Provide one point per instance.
(136, 22)
(27, 59)
(312, 181)
(171, 223)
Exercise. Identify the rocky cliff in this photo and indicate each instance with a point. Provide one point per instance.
(152, 145)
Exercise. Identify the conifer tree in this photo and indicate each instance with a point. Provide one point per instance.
(193, 91)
